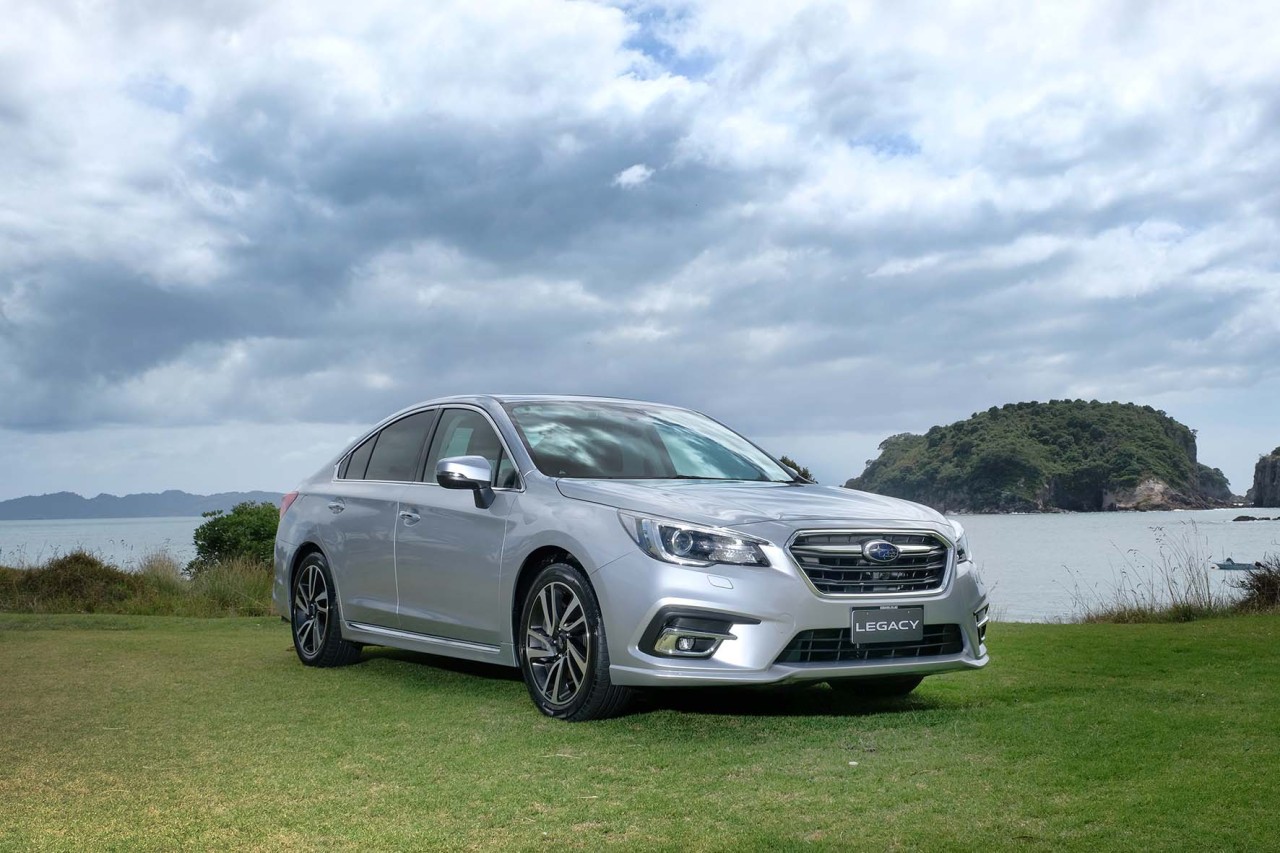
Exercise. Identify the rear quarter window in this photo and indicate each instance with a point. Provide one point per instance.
(358, 461)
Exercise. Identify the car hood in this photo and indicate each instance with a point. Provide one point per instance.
(733, 504)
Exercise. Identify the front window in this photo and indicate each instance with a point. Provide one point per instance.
(615, 441)
(463, 432)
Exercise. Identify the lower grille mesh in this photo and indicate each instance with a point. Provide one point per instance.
(832, 645)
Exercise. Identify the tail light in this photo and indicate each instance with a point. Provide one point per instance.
(286, 502)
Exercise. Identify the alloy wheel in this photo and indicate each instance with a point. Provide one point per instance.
(310, 610)
(558, 643)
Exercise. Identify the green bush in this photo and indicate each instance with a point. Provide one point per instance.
(248, 532)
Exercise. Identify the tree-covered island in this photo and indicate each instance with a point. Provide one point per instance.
(1060, 455)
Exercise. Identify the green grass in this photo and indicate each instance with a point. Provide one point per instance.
(161, 733)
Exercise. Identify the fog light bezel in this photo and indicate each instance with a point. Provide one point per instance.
(707, 629)
(703, 644)
(981, 617)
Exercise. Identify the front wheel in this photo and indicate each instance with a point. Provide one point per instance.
(317, 637)
(563, 655)
(878, 687)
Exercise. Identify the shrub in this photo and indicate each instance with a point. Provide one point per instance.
(1261, 586)
(248, 532)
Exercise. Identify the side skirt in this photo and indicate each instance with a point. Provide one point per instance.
(375, 635)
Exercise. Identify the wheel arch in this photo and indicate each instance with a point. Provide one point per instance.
(538, 559)
(306, 549)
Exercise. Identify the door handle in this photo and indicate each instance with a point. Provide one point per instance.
(336, 507)
(409, 516)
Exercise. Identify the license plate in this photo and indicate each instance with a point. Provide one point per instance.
(887, 624)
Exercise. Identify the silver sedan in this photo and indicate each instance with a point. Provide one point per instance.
(607, 545)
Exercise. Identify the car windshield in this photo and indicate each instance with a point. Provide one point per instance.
(637, 442)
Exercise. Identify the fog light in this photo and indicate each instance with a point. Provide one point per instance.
(684, 644)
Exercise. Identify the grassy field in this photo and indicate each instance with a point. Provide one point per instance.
(158, 733)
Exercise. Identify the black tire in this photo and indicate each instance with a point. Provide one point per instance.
(878, 687)
(562, 649)
(314, 617)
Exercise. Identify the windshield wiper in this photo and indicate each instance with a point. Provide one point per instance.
(721, 479)
(693, 477)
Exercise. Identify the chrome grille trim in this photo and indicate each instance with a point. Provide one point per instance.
(833, 564)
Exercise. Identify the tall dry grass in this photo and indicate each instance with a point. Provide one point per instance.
(81, 582)
(1174, 585)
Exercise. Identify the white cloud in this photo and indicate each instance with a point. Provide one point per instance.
(632, 176)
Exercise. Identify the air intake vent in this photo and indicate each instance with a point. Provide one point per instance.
(832, 645)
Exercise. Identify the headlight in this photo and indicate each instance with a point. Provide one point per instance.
(962, 542)
(691, 545)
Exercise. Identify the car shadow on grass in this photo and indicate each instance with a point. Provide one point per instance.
(809, 700)
(816, 700)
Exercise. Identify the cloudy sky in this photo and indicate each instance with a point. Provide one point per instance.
(234, 233)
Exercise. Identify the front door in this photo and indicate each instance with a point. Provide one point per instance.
(448, 551)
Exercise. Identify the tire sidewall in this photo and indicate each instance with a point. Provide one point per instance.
(597, 657)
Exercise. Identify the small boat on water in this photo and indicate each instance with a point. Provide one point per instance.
(1229, 565)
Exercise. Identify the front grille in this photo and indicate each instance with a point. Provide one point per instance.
(832, 645)
(835, 565)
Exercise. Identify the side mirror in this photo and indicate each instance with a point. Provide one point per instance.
(467, 472)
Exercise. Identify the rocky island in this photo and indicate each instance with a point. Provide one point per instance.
(1038, 457)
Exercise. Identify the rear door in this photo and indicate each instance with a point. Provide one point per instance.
(360, 535)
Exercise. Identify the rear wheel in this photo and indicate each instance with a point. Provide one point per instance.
(879, 687)
(563, 655)
(317, 637)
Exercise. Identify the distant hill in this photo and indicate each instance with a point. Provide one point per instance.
(1064, 454)
(147, 505)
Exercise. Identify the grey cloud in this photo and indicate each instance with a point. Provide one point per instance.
(361, 260)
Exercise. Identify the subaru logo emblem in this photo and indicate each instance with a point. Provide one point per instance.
(880, 551)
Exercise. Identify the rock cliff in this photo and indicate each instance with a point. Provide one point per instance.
(1266, 480)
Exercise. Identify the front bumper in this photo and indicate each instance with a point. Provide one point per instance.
(775, 604)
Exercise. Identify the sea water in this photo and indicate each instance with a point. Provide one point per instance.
(1036, 567)
(1045, 566)
(122, 541)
